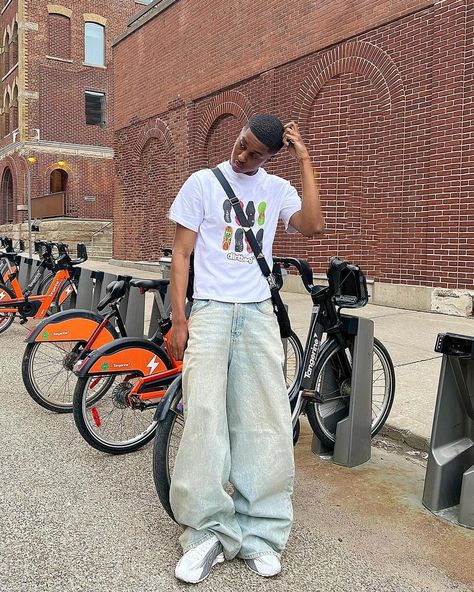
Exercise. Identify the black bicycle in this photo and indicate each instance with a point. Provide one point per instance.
(318, 376)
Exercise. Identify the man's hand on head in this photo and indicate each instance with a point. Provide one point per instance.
(294, 142)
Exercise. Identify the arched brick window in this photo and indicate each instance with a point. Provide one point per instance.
(58, 181)
(59, 36)
(14, 110)
(7, 196)
(6, 115)
(6, 55)
(14, 47)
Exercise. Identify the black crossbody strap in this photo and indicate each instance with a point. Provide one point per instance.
(244, 223)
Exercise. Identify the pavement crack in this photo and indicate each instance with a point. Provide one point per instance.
(416, 361)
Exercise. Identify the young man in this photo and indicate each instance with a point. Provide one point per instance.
(238, 424)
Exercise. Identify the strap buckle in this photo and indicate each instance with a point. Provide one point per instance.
(271, 279)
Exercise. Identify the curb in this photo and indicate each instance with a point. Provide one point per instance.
(405, 437)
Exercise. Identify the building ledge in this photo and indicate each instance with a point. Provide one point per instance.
(62, 148)
(48, 57)
(94, 66)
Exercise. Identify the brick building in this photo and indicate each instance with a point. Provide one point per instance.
(382, 91)
(57, 106)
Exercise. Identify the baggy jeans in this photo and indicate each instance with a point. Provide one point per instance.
(237, 430)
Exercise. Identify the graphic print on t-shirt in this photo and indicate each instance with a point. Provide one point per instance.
(262, 206)
(239, 240)
(250, 211)
(227, 238)
(227, 208)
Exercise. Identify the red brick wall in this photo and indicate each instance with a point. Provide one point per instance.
(151, 162)
(218, 48)
(59, 36)
(387, 115)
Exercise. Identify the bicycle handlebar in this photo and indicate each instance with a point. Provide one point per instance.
(334, 273)
(303, 268)
(81, 254)
(7, 244)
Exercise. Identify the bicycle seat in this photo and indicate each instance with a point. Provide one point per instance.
(149, 284)
(113, 291)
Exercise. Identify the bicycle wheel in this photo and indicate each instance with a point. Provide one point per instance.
(170, 429)
(332, 381)
(6, 318)
(293, 363)
(165, 448)
(47, 373)
(45, 283)
(110, 421)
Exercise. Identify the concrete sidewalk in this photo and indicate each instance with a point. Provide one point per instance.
(408, 335)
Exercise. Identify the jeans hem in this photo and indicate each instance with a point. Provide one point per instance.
(208, 535)
(259, 554)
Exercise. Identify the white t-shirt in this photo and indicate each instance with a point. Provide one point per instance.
(225, 266)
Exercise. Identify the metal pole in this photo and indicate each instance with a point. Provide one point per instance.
(28, 197)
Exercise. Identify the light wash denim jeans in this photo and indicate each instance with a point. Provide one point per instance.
(238, 429)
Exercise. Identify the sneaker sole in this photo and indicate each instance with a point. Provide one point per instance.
(260, 573)
(219, 559)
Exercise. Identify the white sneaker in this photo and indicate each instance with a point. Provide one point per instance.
(196, 564)
(265, 565)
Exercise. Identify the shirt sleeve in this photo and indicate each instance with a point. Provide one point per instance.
(187, 209)
(290, 204)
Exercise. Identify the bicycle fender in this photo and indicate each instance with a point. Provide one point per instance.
(172, 393)
(72, 325)
(127, 354)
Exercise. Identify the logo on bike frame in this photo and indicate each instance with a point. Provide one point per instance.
(153, 365)
(312, 359)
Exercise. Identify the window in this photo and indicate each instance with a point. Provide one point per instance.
(59, 36)
(94, 41)
(14, 110)
(6, 115)
(7, 196)
(58, 181)
(14, 47)
(6, 56)
(95, 108)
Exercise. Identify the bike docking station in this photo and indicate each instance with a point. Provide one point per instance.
(353, 433)
(449, 481)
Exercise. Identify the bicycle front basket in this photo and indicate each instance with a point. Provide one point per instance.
(351, 291)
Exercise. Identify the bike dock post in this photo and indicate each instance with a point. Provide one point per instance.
(24, 274)
(135, 314)
(449, 481)
(353, 433)
(85, 289)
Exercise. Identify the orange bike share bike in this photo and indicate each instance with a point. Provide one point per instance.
(62, 340)
(61, 287)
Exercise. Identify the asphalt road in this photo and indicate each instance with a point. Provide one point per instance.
(73, 519)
